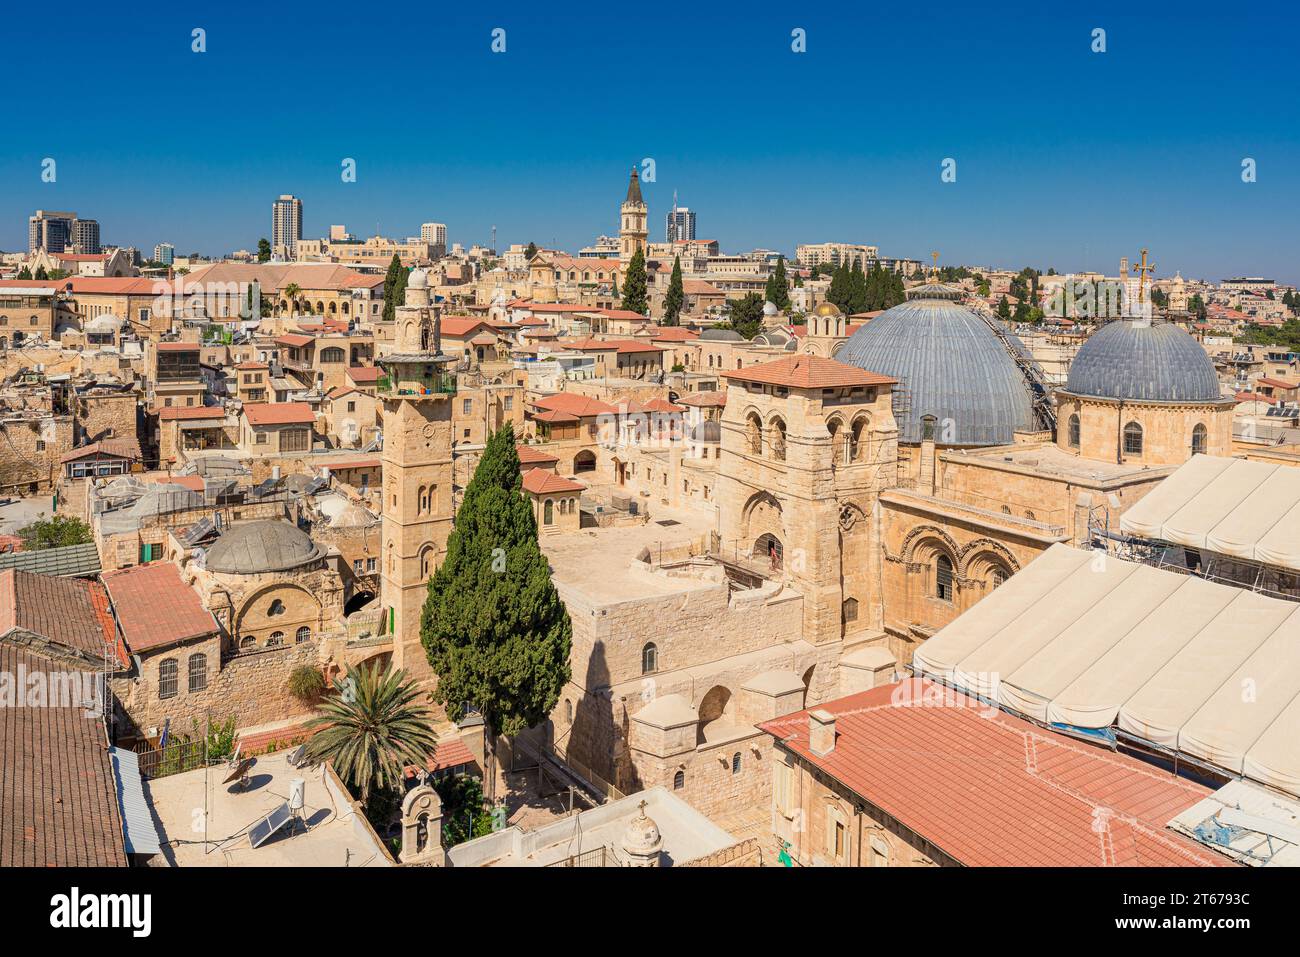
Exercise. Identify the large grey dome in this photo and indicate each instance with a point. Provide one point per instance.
(251, 548)
(1143, 361)
(721, 335)
(950, 364)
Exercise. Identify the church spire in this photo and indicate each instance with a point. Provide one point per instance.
(634, 190)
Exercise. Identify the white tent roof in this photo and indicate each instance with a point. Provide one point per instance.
(1235, 507)
(1085, 639)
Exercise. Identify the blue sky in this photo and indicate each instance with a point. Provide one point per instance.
(1065, 158)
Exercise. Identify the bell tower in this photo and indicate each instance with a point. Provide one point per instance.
(417, 390)
(632, 229)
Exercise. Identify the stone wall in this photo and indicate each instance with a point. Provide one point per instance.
(30, 449)
(748, 853)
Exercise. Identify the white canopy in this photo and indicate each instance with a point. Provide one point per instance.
(1085, 639)
(1235, 507)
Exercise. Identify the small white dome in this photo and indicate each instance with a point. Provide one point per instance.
(418, 279)
(769, 309)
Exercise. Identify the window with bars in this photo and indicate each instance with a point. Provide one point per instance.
(167, 678)
(943, 578)
(1132, 439)
(198, 672)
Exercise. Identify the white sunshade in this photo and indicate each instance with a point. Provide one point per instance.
(1205, 668)
(1146, 519)
(1236, 507)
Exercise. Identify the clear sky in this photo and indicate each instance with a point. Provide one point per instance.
(1064, 157)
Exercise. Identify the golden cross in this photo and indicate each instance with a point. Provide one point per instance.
(934, 256)
(1143, 270)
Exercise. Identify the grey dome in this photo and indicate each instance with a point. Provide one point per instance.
(1145, 362)
(251, 548)
(950, 364)
(706, 431)
(721, 335)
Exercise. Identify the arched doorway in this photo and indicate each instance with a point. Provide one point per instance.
(584, 461)
(715, 709)
(358, 601)
(769, 547)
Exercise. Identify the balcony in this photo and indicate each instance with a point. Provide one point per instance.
(438, 383)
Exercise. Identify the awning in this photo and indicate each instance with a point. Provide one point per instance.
(137, 817)
(1236, 507)
(1088, 640)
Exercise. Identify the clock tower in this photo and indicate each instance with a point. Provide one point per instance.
(417, 389)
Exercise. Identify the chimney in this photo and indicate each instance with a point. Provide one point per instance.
(821, 732)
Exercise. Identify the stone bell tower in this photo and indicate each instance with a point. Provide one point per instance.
(632, 228)
(417, 389)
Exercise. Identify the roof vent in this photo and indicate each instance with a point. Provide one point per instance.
(821, 732)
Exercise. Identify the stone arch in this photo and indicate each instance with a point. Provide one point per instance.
(859, 436)
(922, 542)
(584, 461)
(716, 706)
(987, 551)
(754, 432)
(301, 607)
(762, 514)
(838, 430)
(776, 430)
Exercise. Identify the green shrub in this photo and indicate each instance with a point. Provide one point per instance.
(306, 684)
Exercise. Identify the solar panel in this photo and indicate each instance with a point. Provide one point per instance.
(263, 829)
(315, 486)
(267, 487)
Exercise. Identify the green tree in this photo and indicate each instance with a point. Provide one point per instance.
(530, 252)
(372, 730)
(41, 273)
(24, 273)
(674, 298)
(634, 284)
(745, 315)
(463, 815)
(778, 287)
(1004, 310)
(55, 532)
(493, 625)
(394, 281)
(263, 250)
(292, 291)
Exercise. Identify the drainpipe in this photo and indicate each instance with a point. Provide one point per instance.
(1119, 434)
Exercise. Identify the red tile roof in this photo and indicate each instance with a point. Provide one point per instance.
(808, 372)
(68, 611)
(715, 399)
(673, 334)
(279, 413)
(532, 456)
(295, 341)
(1276, 383)
(1255, 397)
(179, 347)
(990, 789)
(574, 404)
(363, 375)
(155, 607)
(458, 327)
(192, 412)
(450, 753)
(554, 415)
(543, 481)
(366, 463)
(252, 365)
(118, 448)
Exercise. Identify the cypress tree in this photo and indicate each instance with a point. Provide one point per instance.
(1004, 309)
(530, 252)
(634, 284)
(494, 627)
(41, 273)
(674, 299)
(782, 300)
(391, 279)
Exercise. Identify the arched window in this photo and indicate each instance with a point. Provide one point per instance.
(303, 634)
(754, 430)
(850, 608)
(548, 512)
(778, 439)
(857, 441)
(679, 780)
(167, 678)
(998, 576)
(649, 659)
(247, 643)
(426, 561)
(943, 578)
(928, 423)
(1132, 439)
(735, 763)
(198, 668)
(276, 639)
(1072, 432)
(1199, 436)
(568, 711)
(879, 853)
(277, 608)
(1029, 515)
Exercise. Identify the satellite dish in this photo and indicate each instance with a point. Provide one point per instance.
(240, 773)
(200, 558)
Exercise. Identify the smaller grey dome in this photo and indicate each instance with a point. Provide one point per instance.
(707, 431)
(252, 548)
(1143, 361)
(721, 335)
(769, 309)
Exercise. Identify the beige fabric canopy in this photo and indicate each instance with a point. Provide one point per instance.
(1085, 639)
(1236, 507)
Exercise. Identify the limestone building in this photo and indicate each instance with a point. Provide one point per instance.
(417, 392)
(633, 230)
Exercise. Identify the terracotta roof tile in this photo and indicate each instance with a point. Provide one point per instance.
(532, 456)
(808, 372)
(279, 413)
(155, 607)
(543, 481)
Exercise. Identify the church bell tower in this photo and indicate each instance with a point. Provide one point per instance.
(632, 228)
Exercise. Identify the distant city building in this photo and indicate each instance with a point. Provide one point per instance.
(603, 248)
(57, 232)
(164, 253)
(832, 254)
(435, 234)
(679, 224)
(340, 234)
(286, 223)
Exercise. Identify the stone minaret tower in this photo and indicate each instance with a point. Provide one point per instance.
(417, 391)
(633, 217)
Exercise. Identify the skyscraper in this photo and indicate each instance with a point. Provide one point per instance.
(49, 230)
(435, 234)
(85, 236)
(164, 253)
(286, 224)
(679, 224)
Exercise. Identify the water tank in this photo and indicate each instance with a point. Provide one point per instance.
(297, 794)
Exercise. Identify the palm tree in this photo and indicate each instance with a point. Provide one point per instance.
(292, 291)
(373, 729)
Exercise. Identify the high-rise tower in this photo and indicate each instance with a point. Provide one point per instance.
(632, 228)
(417, 390)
